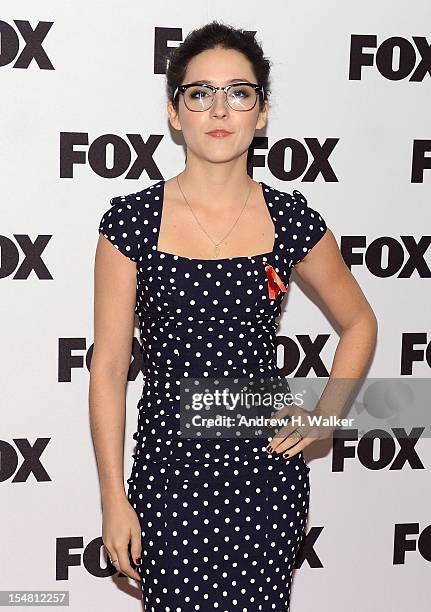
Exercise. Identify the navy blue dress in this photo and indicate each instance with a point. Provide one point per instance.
(221, 519)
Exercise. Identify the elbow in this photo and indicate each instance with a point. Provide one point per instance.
(111, 368)
(367, 324)
(373, 323)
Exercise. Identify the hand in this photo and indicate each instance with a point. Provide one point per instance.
(294, 436)
(121, 526)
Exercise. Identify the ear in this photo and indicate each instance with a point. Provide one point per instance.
(263, 116)
(173, 116)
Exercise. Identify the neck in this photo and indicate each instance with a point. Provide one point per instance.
(219, 182)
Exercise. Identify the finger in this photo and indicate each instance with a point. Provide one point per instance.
(109, 554)
(305, 433)
(279, 437)
(113, 558)
(287, 443)
(297, 448)
(136, 547)
(124, 563)
(274, 442)
(116, 564)
(113, 554)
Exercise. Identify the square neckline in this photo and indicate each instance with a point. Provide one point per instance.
(195, 259)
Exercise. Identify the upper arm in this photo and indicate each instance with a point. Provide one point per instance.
(115, 284)
(114, 307)
(319, 263)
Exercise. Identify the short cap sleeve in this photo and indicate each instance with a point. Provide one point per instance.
(308, 227)
(121, 225)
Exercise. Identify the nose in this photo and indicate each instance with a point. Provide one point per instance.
(220, 106)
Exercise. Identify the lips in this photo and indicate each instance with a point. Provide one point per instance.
(219, 133)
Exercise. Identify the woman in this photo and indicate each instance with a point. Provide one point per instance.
(204, 259)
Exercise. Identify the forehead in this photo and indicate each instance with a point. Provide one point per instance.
(219, 66)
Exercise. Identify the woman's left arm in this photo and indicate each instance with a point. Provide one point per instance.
(324, 270)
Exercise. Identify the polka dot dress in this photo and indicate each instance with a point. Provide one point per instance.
(221, 519)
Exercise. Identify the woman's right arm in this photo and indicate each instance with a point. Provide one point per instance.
(114, 305)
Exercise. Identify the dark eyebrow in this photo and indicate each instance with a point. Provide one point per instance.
(230, 81)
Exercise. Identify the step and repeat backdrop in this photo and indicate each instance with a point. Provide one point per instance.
(83, 120)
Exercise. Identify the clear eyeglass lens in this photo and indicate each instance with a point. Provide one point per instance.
(240, 97)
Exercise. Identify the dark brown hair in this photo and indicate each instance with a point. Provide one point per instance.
(210, 36)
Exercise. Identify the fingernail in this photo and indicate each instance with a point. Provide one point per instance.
(286, 455)
(138, 561)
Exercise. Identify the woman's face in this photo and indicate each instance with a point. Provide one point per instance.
(217, 67)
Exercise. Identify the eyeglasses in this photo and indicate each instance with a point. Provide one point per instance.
(239, 96)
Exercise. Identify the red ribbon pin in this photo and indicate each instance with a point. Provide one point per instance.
(275, 284)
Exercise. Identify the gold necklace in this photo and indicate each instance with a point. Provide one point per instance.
(217, 245)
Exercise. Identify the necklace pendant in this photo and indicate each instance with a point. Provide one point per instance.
(216, 250)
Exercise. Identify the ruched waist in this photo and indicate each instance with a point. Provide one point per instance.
(208, 345)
